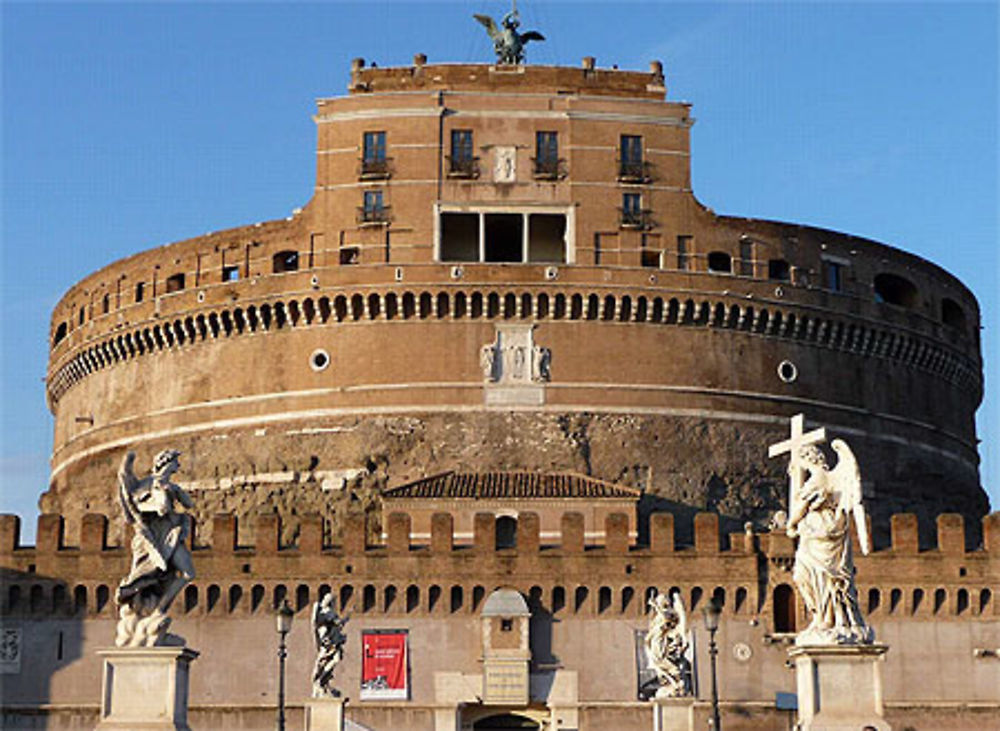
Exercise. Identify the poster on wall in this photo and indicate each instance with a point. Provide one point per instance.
(385, 666)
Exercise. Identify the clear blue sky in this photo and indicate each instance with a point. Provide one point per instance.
(126, 126)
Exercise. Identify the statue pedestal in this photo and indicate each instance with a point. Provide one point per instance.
(673, 714)
(839, 686)
(145, 688)
(325, 714)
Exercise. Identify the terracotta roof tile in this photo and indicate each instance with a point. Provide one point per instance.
(511, 486)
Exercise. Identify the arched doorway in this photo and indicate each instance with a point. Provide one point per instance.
(505, 722)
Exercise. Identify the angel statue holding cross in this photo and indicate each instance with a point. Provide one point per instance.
(822, 504)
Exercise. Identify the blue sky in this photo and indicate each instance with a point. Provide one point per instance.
(126, 126)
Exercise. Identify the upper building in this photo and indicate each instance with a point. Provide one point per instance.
(505, 269)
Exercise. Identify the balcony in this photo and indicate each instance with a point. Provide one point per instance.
(634, 171)
(641, 219)
(548, 168)
(373, 216)
(374, 169)
(463, 167)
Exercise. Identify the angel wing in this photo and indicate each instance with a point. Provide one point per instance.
(126, 484)
(489, 24)
(532, 35)
(682, 620)
(846, 479)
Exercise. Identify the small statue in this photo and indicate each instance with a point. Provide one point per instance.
(824, 569)
(667, 644)
(161, 563)
(328, 630)
(508, 44)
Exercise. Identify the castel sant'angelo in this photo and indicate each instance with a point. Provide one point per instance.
(504, 346)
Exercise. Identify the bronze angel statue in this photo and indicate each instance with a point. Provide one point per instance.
(161, 563)
(508, 44)
(824, 570)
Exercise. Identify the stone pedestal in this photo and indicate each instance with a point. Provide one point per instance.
(839, 687)
(325, 714)
(673, 714)
(145, 688)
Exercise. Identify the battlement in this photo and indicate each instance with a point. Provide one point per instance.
(92, 540)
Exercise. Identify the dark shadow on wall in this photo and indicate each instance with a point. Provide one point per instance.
(41, 632)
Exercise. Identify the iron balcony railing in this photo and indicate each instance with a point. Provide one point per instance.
(463, 167)
(635, 218)
(374, 169)
(548, 168)
(634, 171)
(373, 214)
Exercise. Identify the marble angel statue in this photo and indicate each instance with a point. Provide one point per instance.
(820, 518)
(667, 644)
(328, 631)
(161, 563)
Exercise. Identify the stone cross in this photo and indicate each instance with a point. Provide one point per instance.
(800, 438)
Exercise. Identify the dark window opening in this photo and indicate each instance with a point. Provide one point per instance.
(374, 163)
(285, 261)
(230, 273)
(720, 262)
(504, 237)
(833, 276)
(779, 270)
(546, 162)
(952, 314)
(462, 163)
(349, 255)
(373, 209)
(506, 532)
(459, 237)
(506, 625)
(140, 291)
(547, 237)
(631, 166)
(60, 334)
(175, 282)
(632, 213)
(106, 304)
(746, 258)
(651, 259)
(82, 314)
(895, 290)
(683, 251)
(784, 608)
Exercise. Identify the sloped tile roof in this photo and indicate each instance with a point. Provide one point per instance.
(510, 486)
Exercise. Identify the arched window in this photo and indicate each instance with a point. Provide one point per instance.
(628, 594)
(741, 599)
(918, 598)
(603, 599)
(368, 598)
(433, 597)
(346, 594)
(256, 597)
(895, 290)
(783, 602)
(80, 599)
(558, 599)
(940, 597)
(190, 598)
(874, 599)
(279, 596)
(456, 599)
(580, 598)
(285, 261)
(720, 262)
(506, 532)
(478, 594)
(235, 596)
(212, 597)
(895, 597)
(412, 598)
(962, 601)
(388, 597)
(301, 597)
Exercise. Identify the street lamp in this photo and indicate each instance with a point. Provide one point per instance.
(283, 622)
(712, 610)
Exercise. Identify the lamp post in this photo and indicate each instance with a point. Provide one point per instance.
(283, 621)
(712, 610)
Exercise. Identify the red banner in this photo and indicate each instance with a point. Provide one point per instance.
(384, 669)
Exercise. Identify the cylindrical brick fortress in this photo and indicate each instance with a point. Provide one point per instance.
(506, 268)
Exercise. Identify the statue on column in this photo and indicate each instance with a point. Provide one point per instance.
(667, 644)
(328, 631)
(161, 563)
(820, 517)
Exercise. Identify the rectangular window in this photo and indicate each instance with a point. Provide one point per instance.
(632, 210)
(175, 283)
(140, 291)
(746, 258)
(547, 154)
(373, 210)
(230, 273)
(651, 259)
(374, 163)
(462, 161)
(833, 275)
(349, 255)
(515, 237)
(683, 252)
(630, 164)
